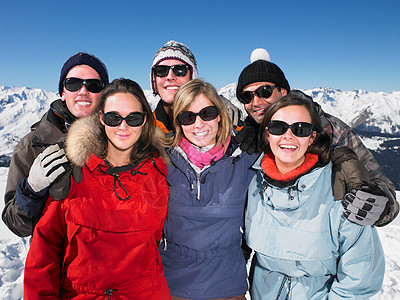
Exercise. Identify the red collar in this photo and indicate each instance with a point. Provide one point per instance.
(271, 170)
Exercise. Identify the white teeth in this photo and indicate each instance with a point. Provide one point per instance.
(172, 87)
(200, 133)
(83, 103)
(288, 147)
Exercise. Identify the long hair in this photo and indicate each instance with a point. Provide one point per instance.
(149, 141)
(322, 141)
(184, 98)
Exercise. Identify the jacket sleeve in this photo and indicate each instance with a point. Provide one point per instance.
(17, 220)
(343, 135)
(361, 265)
(42, 278)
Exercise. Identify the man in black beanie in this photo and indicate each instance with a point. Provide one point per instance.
(38, 160)
(260, 84)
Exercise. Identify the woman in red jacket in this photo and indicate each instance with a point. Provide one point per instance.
(101, 241)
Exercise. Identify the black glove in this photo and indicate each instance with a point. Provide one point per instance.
(365, 206)
(61, 188)
(248, 136)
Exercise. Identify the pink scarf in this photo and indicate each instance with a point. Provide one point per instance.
(199, 158)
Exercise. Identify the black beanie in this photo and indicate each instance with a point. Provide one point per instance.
(83, 58)
(261, 70)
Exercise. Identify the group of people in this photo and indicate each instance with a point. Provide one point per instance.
(126, 203)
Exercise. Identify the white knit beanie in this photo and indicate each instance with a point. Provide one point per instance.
(174, 50)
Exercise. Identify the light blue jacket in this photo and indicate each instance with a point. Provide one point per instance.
(304, 245)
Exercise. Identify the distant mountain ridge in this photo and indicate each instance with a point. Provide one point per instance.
(369, 113)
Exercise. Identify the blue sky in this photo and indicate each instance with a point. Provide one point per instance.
(339, 44)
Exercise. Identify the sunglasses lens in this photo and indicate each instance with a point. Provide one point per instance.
(209, 113)
(135, 119)
(246, 97)
(73, 84)
(180, 70)
(264, 91)
(187, 118)
(277, 127)
(301, 129)
(161, 71)
(112, 119)
(94, 85)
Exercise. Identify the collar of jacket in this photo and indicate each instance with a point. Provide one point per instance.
(60, 109)
(281, 183)
(162, 118)
(94, 161)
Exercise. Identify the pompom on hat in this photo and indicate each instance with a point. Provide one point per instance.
(83, 58)
(174, 50)
(260, 70)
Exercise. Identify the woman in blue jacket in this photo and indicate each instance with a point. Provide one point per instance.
(305, 248)
(208, 179)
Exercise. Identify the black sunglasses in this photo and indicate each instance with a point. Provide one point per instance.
(178, 70)
(74, 84)
(134, 119)
(206, 114)
(264, 91)
(300, 129)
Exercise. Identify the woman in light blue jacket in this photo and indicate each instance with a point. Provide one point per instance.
(305, 248)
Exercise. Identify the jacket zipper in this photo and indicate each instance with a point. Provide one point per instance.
(198, 186)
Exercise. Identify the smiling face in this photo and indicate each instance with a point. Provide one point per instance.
(258, 106)
(121, 138)
(289, 150)
(168, 86)
(81, 103)
(201, 133)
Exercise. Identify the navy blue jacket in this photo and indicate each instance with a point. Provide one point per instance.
(202, 254)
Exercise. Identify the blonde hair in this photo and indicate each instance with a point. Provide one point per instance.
(184, 98)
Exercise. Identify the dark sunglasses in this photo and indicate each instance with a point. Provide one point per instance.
(264, 91)
(178, 70)
(206, 114)
(300, 129)
(113, 119)
(73, 84)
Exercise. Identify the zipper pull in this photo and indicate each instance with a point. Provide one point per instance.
(165, 243)
(198, 187)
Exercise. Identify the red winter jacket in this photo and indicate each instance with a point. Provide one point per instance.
(93, 245)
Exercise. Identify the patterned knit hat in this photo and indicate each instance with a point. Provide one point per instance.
(261, 69)
(83, 58)
(174, 50)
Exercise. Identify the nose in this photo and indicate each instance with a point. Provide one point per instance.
(288, 134)
(171, 75)
(198, 122)
(123, 125)
(83, 90)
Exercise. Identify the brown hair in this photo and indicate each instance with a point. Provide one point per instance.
(322, 141)
(148, 142)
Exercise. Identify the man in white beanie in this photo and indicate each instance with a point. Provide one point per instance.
(173, 66)
(260, 84)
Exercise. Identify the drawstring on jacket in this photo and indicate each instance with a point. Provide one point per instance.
(289, 278)
(109, 293)
(114, 171)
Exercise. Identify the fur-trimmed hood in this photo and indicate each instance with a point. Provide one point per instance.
(84, 139)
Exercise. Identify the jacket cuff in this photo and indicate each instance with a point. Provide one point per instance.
(30, 202)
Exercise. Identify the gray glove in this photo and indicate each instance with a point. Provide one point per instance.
(365, 206)
(233, 111)
(46, 168)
